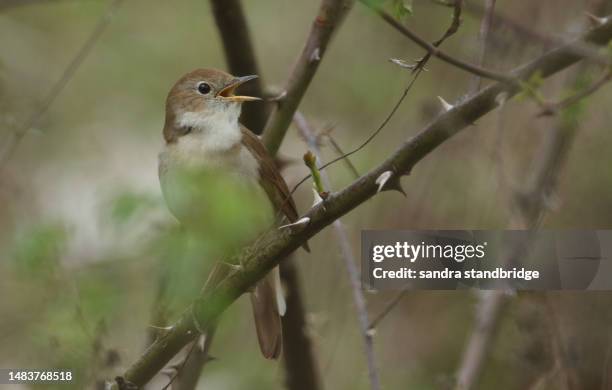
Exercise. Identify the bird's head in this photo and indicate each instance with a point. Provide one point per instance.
(202, 97)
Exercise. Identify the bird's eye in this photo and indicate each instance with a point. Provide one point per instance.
(203, 88)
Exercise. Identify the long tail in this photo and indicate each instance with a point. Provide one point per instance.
(268, 305)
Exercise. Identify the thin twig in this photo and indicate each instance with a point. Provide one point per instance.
(434, 51)
(371, 136)
(16, 136)
(487, 318)
(329, 17)
(528, 216)
(582, 49)
(451, 30)
(485, 27)
(351, 167)
(347, 255)
(553, 108)
(387, 309)
(258, 259)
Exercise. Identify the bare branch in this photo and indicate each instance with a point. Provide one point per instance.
(553, 108)
(302, 372)
(14, 138)
(434, 51)
(258, 259)
(487, 317)
(583, 49)
(387, 309)
(240, 57)
(485, 27)
(451, 30)
(532, 206)
(349, 260)
(330, 16)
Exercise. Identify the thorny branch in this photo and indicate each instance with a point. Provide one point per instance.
(452, 29)
(349, 259)
(583, 49)
(329, 17)
(436, 52)
(258, 259)
(532, 206)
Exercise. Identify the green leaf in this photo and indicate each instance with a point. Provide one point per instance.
(402, 8)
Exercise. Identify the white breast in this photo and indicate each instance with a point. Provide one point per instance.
(216, 150)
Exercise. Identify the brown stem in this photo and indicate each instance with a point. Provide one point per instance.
(434, 51)
(258, 259)
(301, 368)
(532, 207)
(240, 57)
(328, 19)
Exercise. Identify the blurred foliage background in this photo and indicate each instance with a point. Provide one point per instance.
(85, 234)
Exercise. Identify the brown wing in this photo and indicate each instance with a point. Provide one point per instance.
(271, 179)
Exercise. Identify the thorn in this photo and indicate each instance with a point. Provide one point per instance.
(317, 197)
(196, 322)
(501, 98)
(232, 267)
(202, 342)
(316, 55)
(596, 20)
(445, 105)
(281, 96)
(169, 372)
(382, 179)
(210, 358)
(402, 64)
(164, 328)
(123, 384)
(396, 185)
(299, 222)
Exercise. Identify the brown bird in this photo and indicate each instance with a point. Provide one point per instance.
(210, 160)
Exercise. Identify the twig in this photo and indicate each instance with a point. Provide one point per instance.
(240, 57)
(340, 151)
(371, 136)
(301, 368)
(487, 317)
(387, 309)
(451, 30)
(434, 51)
(529, 215)
(583, 49)
(329, 17)
(258, 259)
(15, 137)
(485, 27)
(348, 257)
(553, 108)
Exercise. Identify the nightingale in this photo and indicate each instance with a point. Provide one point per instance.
(209, 160)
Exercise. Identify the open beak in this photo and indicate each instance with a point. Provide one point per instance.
(227, 93)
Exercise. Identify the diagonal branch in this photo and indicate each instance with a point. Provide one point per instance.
(258, 259)
(432, 50)
(532, 206)
(330, 16)
(349, 260)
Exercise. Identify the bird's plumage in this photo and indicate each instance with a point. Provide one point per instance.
(202, 133)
